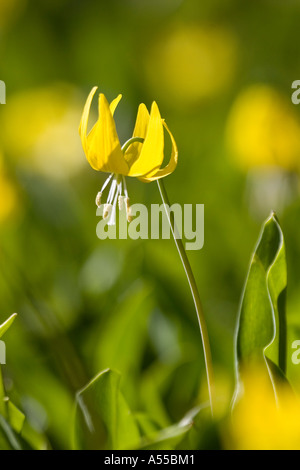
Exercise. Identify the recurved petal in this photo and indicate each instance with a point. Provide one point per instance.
(140, 130)
(112, 108)
(84, 119)
(114, 104)
(151, 153)
(170, 167)
(103, 145)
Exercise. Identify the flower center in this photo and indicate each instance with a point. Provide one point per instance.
(118, 191)
(117, 194)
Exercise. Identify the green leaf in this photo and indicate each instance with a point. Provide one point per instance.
(112, 342)
(167, 438)
(15, 417)
(4, 327)
(102, 417)
(147, 425)
(17, 432)
(33, 438)
(8, 437)
(189, 433)
(14, 428)
(261, 332)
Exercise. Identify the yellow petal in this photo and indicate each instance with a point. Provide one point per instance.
(114, 104)
(84, 119)
(152, 152)
(103, 146)
(112, 108)
(140, 130)
(170, 167)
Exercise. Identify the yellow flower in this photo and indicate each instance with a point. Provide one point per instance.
(195, 63)
(49, 130)
(260, 421)
(263, 129)
(141, 156)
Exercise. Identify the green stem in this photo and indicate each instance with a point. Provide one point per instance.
(195, 294)
(131, 141)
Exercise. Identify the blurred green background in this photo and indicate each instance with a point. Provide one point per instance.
(221, 72)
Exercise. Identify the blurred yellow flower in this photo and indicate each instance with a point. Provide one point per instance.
(190, 63)
(39, 130)
(258, 422)
(141, 156)
(263, 129)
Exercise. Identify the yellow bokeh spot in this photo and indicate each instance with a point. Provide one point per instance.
(190, 63)
(39, 129)
(259, 423)
(263, 129)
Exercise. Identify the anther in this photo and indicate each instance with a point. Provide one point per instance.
(107, 210)
(98, 199)
(121, 202)
(128, 209)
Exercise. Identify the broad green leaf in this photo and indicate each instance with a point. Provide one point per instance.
(146, 424)
(8, 438)
(17, 430)
(204, 431)
(166, 439)
(4, 442)
(186, 434)
(261, 332)
(102, 417)
(14, 428)
(34, 439)
(131, 316)
(15, 417)
(4, 327)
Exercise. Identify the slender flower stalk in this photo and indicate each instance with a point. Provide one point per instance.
(195, 294)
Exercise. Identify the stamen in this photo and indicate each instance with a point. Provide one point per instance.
(106, 182)
(121, 202)
(115, 196)
(107, 210)
(112, 219)
(112, 191)
(128, 209)
(125, 186)
(99, 195)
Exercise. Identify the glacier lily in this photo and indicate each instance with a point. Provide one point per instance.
(141, 156)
